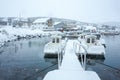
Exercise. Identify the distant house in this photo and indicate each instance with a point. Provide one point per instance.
(59, 25)
(90, 29)
(20, 22)
(79, 27)
(71, 27)
(42, 23)
(3, 21)
(24, 22)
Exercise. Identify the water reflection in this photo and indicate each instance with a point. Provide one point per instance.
(92, 62)
(53, 61)
(23, 58)
(29, 43)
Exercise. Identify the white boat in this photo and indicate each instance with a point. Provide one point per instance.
(100, 39)
(56, 45)
(92, 44)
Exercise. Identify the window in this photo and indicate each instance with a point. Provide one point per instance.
(58, 40)
(53, 41)
(98, 36)
(81, 37)
(93, 40)
(88, 40)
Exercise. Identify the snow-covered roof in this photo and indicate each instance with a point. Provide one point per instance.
(5, 19)
(90, 36)
(41, 20)
(20, 19)
(56, 23)
(24, 19)
(78, 26)
(90, 28)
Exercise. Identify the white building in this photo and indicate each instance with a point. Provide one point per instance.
(40, 23)
(90, 28)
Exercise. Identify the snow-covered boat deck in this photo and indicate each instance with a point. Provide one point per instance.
(71, 68)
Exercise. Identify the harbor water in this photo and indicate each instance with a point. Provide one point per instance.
(24, 60)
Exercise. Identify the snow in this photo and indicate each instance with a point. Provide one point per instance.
(102, 41)
(71, 75)
(9, 33)
(96, 50)
(78, 26)
(90, 28)
(41, 20)
(57, 23)
(70, 60)
(52, 48)
(20, 31)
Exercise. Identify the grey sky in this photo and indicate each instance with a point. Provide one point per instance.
(82, 10)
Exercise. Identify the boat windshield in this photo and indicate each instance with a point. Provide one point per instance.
(53, 41)
(88, 40)
(58, 40)
(93, 40)
(98, 36)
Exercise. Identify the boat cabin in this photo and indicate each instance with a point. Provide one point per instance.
(98, 36)
(90, 39)
(56, 39)
(82, 36)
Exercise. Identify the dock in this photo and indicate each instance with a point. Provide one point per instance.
(70, 67)
(70, 60)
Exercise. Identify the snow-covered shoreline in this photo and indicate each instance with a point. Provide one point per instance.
(9, 33)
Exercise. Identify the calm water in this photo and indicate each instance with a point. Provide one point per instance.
(113, 51)
(24, 60)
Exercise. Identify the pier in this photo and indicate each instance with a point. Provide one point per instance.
(70, 67)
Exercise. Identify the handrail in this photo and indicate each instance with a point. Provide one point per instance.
(61, 52)
(83, 60)
(59, 58)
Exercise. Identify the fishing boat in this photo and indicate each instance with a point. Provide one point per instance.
(55, 45)
(100, 39)
(93, 45)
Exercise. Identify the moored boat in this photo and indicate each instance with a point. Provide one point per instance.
(93, 46)
(52, 48)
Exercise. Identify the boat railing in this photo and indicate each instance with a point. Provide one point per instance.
(59, 58)
(80, 53)
(61, 52)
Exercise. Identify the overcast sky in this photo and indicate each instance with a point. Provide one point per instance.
(82, 10)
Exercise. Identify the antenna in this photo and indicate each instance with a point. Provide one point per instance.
(20, 16)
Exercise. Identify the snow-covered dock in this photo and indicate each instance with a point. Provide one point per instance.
(70, 68)
(70, 60)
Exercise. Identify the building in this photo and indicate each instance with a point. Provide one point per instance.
(3, 21)
(90, 29)
(40, 23)
(20, 22)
